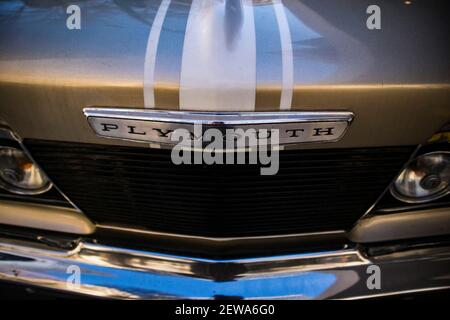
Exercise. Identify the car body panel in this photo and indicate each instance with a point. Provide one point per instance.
(395, 79)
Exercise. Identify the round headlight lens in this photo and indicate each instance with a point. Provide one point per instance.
(19, 174)
(425, 179)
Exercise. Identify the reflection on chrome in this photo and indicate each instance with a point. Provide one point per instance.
(130, 274)
(426, 178)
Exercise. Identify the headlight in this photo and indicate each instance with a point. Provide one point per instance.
(425, 179)
(19, 174)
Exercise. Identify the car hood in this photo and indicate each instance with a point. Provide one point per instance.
(225, 55)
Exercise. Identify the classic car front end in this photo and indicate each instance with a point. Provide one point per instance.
(92, 202)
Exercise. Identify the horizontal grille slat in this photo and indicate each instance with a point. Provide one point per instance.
(225, 188)
(314, 190)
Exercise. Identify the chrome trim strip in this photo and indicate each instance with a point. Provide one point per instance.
(45, 217)
(223, 247)
(219, 118)
(404, 225)
(156, 126)
(6, 133)
(201, 268)
(398, 293)
(211, 239)
(131, 274)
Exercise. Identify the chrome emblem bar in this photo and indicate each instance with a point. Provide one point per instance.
(156, 126)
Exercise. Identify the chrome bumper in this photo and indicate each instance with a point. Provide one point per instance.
(120, 273)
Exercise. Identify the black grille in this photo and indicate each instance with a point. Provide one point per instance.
(314, 190)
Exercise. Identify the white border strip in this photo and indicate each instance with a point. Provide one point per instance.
(150, 54)
(286, 58)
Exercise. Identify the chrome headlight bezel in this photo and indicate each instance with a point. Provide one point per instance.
(35, 172)
(417, 183)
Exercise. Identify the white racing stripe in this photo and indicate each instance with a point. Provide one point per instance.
(287, 58)
(150, 54)
(218, 70)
